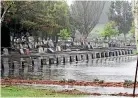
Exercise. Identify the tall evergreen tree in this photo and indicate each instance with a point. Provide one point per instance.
(121, 13)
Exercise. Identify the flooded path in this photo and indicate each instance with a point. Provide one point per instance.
(110, 71)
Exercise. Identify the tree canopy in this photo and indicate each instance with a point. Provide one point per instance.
(45, 16)
(110, 30)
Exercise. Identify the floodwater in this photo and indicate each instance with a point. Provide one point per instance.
(81, 71)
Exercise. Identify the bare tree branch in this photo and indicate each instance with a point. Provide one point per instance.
(4, 13)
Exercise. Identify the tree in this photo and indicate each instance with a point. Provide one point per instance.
(48, 17)
(5, 6)
(121, 13)
(64, 34)
(110, 30)
(85, 15)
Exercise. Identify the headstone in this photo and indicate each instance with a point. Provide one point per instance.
(50, 50)
(41, 43)
(58, 48)
(30, 46)
(39, 39)
(5, 51)
(74, 43)
(40, 50)
(45, 50)
(50, 44)
(18, 40)
(21, 46)
(30, 39)
(27, 51)
(88, 46)
(21, 51)
(45, 42)
(14, 40)
(36, 44)
(18, 46)
(26, 46)
(68, 50)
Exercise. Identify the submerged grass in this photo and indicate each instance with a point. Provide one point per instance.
(18, 91)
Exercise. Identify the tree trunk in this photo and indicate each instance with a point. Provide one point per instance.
(3, 15)
(125, 37)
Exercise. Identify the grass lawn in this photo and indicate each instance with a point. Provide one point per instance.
(16, 91)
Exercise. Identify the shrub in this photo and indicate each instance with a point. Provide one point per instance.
(63, 80)
(101, 81)
(96, 80)
(71, 80)
(128, 82)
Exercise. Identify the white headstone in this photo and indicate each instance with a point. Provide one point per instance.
(74, 43)
(15, 40)
(35, 44)
(21, 51)
(51, 43)
(50, 50)
(40, 50)
(88, 46)
(5, 51)
(45, 42)
(58, 48)
(41, 43)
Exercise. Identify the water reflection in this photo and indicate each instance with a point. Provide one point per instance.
(113, 70)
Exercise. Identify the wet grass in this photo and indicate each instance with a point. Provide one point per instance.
(19, 91)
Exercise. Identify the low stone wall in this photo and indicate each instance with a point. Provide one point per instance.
(35, 63)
